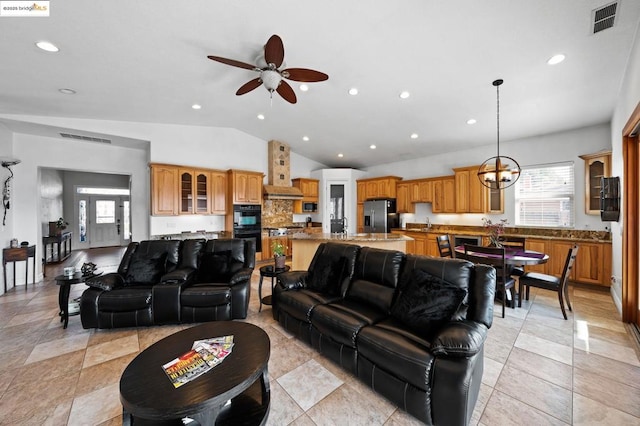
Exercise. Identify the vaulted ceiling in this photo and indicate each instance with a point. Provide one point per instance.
(147, 61)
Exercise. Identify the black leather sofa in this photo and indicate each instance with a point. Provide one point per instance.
(172, 282)
(411, 327)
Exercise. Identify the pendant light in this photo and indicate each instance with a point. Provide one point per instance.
(495, 172)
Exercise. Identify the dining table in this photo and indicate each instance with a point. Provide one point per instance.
(513, 256)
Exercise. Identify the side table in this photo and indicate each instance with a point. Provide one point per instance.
(272, 272)
(17, 254)
(65, 282)
(63, 244)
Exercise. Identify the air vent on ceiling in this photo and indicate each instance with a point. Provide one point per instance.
(604, 17)
(84, 138)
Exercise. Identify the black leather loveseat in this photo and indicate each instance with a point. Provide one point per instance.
(171, 282)
(410, 327)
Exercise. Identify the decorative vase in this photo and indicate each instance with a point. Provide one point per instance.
(280, 261)
(495, 242)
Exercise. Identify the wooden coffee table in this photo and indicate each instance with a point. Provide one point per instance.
(235, 391)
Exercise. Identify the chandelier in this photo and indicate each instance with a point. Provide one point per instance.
(495, 172)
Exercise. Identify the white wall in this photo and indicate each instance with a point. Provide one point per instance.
(550, 148)
(628, 99)
(38, 152)
(6, 231)
(346, 177)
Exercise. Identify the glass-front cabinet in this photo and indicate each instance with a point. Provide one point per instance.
(596, 166)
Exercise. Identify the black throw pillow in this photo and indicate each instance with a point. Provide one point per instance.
(145, 270)
(327, 275)
(214, 267)
(426, 303)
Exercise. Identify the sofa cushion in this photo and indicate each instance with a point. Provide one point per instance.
(205, 295)
(327, 275)
(395, 351)
(106, 282)
(300, 303)
(145, 270)
(125, 299)
(215, 267)
(427, 302)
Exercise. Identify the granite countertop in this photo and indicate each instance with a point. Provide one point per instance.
(537, 233)
(209, 235)
(351, 237)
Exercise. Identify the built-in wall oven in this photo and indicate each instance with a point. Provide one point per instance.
(247, 223)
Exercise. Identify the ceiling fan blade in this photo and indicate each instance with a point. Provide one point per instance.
(287, 92)
(304, 75)
(249, 86)
(274, 51)
(232, 62)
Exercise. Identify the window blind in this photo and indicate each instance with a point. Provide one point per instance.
(545, 196)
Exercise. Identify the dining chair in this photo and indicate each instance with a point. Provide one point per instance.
(494, 256)
(515, 242)
(550, 282)
(444, 246)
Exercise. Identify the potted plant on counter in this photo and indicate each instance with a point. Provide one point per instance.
(279, 254)
(495, 231)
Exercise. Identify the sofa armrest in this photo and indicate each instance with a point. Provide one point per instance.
(178, 276)
(293, 279)
(459, 339)
(106, 282)
(242, 275)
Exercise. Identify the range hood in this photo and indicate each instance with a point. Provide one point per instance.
(279, 174)
(272, 192)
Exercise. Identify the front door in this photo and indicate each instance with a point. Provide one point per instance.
(105, 225)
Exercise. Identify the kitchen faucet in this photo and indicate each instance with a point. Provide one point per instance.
(345, 225)
(428, 223)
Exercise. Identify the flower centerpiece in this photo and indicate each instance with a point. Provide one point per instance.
(56, 228)
(495, 231)
(278, 254)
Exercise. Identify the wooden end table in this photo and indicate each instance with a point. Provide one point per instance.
(236, 391)
(272, 272)
(17, 254)
(65, 282)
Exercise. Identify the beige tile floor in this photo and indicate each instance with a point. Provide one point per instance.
(539, 368)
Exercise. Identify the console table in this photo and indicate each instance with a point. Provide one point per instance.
(63, 244)
(17, 254)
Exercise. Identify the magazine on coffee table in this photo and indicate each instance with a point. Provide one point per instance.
(203, 356)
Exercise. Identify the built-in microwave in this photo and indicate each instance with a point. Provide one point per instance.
(309, 207)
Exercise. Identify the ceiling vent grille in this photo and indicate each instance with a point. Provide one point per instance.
(84, 138)
(604, 17)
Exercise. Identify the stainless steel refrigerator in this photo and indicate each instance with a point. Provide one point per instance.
(380, 215)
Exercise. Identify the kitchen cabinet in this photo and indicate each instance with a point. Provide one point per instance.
(218, 192)
(471, 195)
(194, 191)
(557, 251)
(164, 190)
(403, 199)
(596, 166)
(539, 246)
(444, 200)
(380, 187)
(245, 187)
(310, 191)
(360, 218)
(425, 191)
(590, 265)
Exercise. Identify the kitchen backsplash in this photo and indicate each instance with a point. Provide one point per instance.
(277, 213)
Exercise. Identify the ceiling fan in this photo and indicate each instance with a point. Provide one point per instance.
(270, 74)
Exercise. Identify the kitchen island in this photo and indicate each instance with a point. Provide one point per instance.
(304, 246)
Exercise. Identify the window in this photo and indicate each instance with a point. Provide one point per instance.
(105, 211)
(545, 196)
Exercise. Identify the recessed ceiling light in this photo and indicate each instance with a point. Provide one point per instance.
(340, 155)
(304, 87)
(372, 146)
(414, 136)
(260, 117)
(67, 91)
(556, 59)
(196, 106)
(49, 47)
(404, 95)
(305, 138)
(353, 91)
(471, 121)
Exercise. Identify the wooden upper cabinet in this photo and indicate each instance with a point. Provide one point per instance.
(596, 166)
(308, 187)
(218, 192)
(403, 199)
(471, 195)
(164, 190)
(425, 191)
(245, 186)
(380, 187)
(444, 195)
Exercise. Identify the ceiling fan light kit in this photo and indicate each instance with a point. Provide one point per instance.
(270, 74)
(495, 173)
